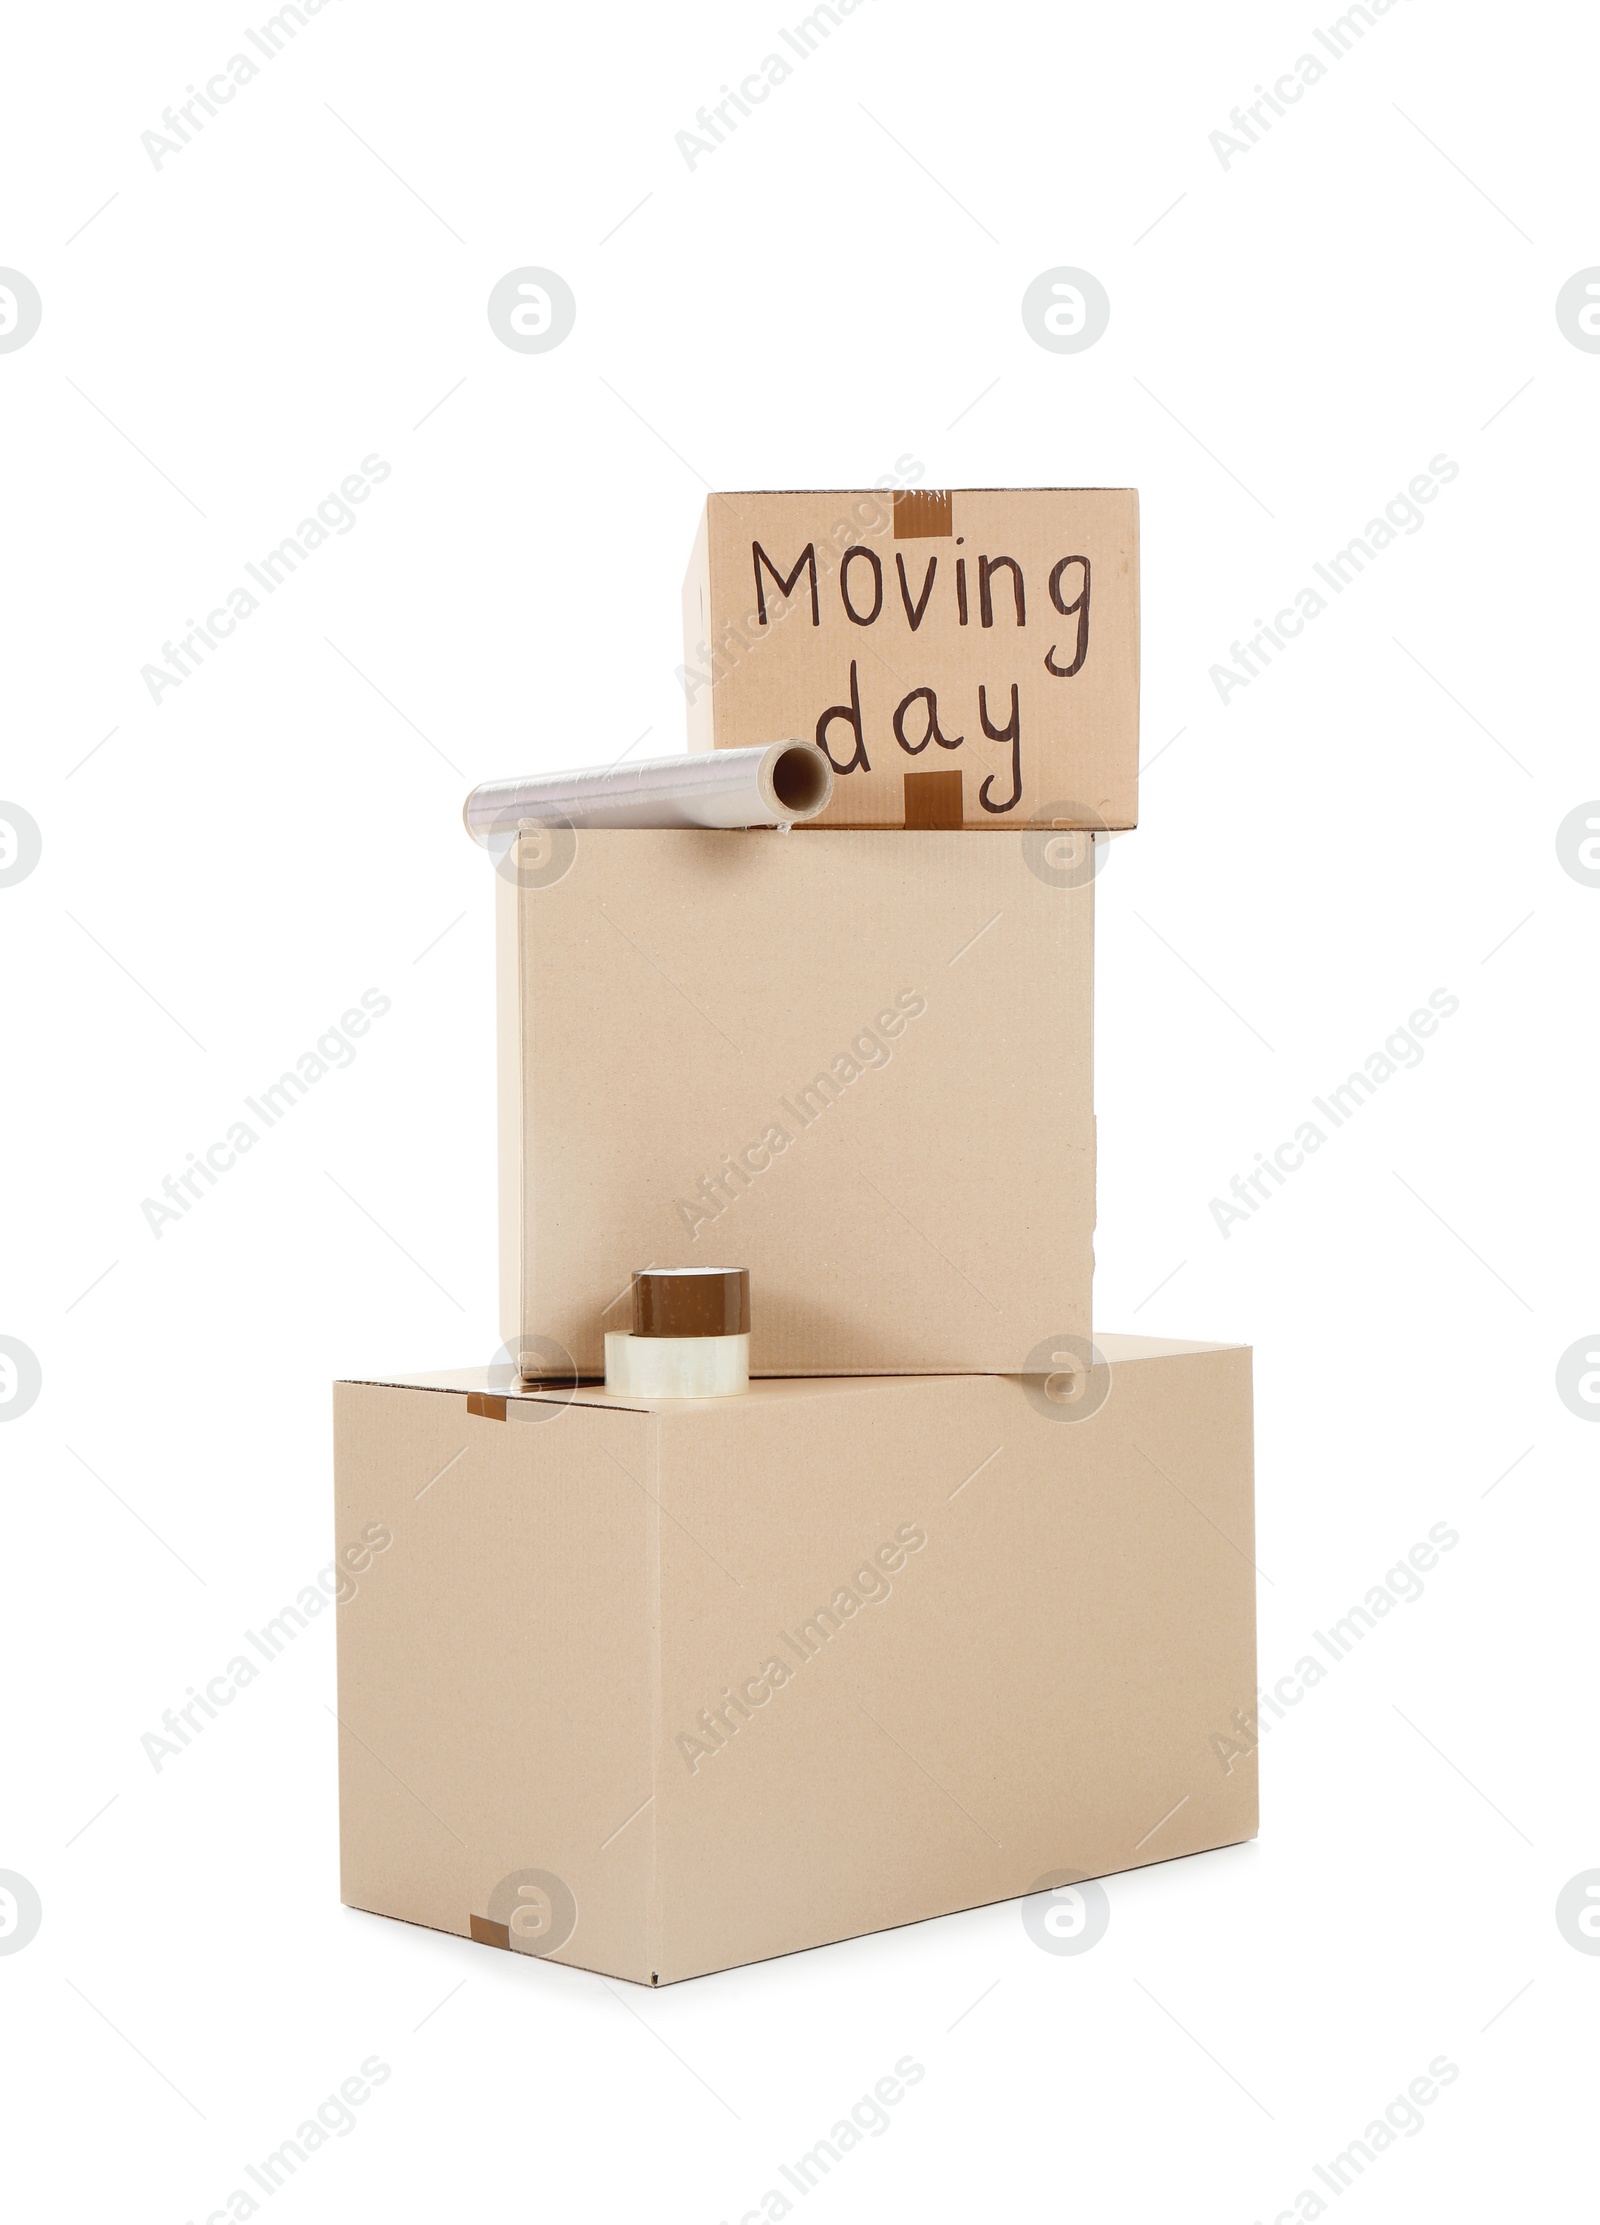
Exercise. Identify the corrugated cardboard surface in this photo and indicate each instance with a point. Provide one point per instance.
(526, 1678)
(760, 665)
(497, 1664)
(928, 1207)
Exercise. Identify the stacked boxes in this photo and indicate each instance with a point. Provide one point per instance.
(955, 1602)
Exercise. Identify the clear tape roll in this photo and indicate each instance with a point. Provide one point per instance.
(677, 1367)
(779, 785)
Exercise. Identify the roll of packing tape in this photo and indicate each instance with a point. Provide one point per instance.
(691, 1302)
(677, 1367)
(690, 1338)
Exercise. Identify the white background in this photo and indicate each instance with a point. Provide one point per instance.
(1292, 339)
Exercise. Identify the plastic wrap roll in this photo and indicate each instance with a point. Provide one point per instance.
(777, 786)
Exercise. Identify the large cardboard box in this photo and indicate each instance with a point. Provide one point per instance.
(859, 1064)
(659, 1688)
(968, 658)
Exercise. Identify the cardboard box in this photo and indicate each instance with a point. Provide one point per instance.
(859, 1064)
(657, 1689)
(966, 659)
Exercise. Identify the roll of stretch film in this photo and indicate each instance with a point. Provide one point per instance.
(780, 785)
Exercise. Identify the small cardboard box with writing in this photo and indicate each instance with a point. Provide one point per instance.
(966, 659)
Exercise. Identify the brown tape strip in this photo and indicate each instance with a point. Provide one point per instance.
(933, 799)
(922, 513)
(487, 1407)
(490, 1935)
(691, 1302)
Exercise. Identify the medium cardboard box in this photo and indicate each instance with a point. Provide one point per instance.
(968, 658)
(659, 1688)
(857, 1063)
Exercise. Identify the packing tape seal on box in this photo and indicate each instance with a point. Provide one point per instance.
(781, 784)
(690, 1337)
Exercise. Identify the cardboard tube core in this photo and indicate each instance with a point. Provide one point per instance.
(800, 780)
